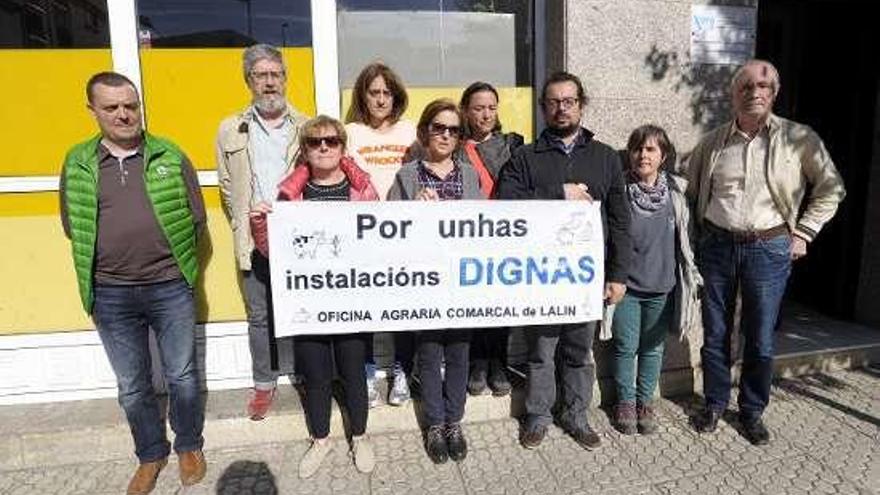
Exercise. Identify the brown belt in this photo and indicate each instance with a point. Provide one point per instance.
(746, 236)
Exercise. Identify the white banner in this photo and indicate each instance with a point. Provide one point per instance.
(382, 266)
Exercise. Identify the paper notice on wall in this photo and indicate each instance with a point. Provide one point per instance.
(722, 35)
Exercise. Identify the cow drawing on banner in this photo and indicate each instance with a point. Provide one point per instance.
(310, 245)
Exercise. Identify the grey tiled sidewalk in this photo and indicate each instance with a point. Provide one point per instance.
(826, 439)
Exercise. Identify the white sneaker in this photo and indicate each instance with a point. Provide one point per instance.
(399, 394)
(373, 399)
(362, 452)
(313, 457)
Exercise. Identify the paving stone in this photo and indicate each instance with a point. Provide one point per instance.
(492, 434)
(733, 448)
(722, 483)
(857, 459)
(822, 443)
(72, 479)
(840, 397)
(798, 475)
(580, 471)
(506, 470)
(416, 476)
(399, 445)
(673, 452)
(337, 474)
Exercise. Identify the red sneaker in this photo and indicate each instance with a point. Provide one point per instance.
(259, 403)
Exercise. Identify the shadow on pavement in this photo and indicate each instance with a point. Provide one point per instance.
(247, 477)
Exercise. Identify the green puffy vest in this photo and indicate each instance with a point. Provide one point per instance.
(165, 188)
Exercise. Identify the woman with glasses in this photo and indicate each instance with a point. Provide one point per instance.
(327, 174)
(380, 139)
(661, 288)
(440, 176)
(487, 149)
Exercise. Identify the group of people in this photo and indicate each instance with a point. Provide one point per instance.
(683, 239)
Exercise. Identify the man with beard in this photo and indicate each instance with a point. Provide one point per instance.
(255, 150)
(565, 162)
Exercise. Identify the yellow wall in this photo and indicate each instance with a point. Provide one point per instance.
(39, 293)
(514, 109)
(187, 92)
(43, 110)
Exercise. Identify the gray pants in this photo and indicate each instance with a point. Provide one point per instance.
(571, 347)
(258, 303)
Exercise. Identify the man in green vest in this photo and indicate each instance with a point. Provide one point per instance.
(132, 208)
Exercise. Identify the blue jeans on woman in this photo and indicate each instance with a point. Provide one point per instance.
(641, 322)
(759, 268)
(123, 315)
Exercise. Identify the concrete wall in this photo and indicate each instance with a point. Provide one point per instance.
(633, 56)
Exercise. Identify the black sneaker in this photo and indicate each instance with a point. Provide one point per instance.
(477, 382)
(586, 437)
(707, 420)
(435, 444)
(455, 442)
(755, 431)
(498, 381)
(532, 437)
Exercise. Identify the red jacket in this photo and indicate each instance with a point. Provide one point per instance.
(291, 189)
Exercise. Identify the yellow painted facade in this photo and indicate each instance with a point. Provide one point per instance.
(186, 92)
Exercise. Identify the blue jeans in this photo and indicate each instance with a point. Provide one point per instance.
(641, 322)
(123, 315)
(760, 270)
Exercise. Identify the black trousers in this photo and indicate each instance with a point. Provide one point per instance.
(315, 357)
(488, 345)
(443, 398)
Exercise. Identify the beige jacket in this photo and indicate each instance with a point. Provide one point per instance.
(796, 158)
(234, 176)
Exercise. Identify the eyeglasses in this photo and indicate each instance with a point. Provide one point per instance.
(436, 129)
(316, 142)
(265, 75)
(563, 103)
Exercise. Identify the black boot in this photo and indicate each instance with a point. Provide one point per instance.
(456, 442)
(435, 444)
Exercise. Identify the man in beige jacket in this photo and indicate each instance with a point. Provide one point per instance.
(255, 150)
(749, 179)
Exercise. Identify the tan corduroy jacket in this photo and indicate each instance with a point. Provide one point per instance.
(796, 158)
(234, 175)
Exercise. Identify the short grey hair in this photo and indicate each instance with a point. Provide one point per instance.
(260, 51)
(774, 74)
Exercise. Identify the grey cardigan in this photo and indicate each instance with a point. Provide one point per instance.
(406, 183)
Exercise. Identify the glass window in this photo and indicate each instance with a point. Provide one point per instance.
(231, 23)
(448, 45)
(54, 24)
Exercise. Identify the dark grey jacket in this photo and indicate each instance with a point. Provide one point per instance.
(406, 183)
(538, 171)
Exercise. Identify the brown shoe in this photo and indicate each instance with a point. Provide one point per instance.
(192, 467)
(144, 479)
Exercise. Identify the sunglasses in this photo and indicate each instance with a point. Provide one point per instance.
(316, 142)
(436, 129)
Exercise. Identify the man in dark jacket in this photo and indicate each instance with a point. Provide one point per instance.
(566, 163)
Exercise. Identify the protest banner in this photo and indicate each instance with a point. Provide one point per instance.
(418, 265)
